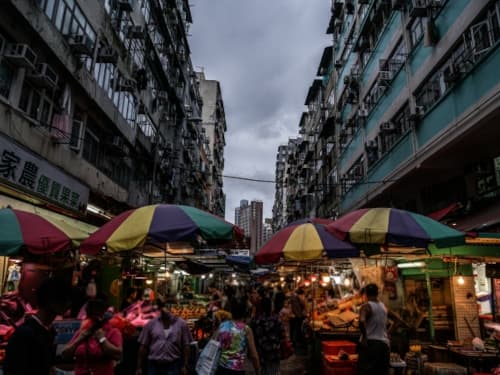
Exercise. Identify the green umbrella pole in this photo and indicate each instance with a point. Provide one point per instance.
(430, 315)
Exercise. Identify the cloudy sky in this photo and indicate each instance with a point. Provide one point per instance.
(265, 54)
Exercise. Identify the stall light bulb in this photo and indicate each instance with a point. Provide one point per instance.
(347, 282)
(307, 283)
(326, 279)
(149, 282)
(314, 278)
(461, 280)
(282, 278)
(323, 284)
(203, 277)
(210, 275)
(233, 275)
(298, 278)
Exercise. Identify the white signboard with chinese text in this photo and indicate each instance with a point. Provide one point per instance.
(30, 172)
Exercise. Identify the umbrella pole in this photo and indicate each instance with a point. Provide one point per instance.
(429, 313)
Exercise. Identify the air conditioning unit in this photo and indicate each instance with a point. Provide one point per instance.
(124, 84)
(362, 112)
(20, 55)
(136, 32)
(349, 6)
(125, 5)
(384, 76)
(382, 64)
(107, 55)
(338, 64)
(80, 44)
(77, 133)
(387, 127)
(116, 142)
(44, 76)
(417, 113)
(371, 145)
(452, 74)
(418, 8)
(398, 4)
(347, 80)
(356, 172)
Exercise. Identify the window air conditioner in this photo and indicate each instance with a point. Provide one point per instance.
(387, 127)
(398, 4)
(384, 76)
(125, 5)
(362, 112)
(117, 142)
(80, 44)
(338, 64)
(371, 145)
(44, 76)
(418, 8)
(107, 55)
(136, 32)
(20, 55)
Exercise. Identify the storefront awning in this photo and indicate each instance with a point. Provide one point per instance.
(480, 220)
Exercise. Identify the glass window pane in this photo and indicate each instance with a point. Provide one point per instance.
(59, 16)
(71, 3)
(35, 104)
(49, 9)
(6, 76)
(79, 16)
(67, 20)
(25, 98)
(45, 117)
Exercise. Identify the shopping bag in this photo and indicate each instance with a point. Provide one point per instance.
(209, 358)
(286, 349)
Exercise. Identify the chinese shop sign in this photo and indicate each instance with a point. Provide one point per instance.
(30, 172)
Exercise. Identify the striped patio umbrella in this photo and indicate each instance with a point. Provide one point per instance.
(391, 226)
(38, 234)
(306, 241)
(159, 223)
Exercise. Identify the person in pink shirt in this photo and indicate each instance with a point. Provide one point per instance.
(97, 345)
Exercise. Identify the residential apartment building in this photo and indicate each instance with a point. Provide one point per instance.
(100, 108)
(403, 111)
(214, 128)
(249, 217)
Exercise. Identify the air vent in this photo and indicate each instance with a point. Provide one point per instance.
(21, 55)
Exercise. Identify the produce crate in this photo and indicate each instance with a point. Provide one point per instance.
(333, 347)
(442, 368)
(334, 366)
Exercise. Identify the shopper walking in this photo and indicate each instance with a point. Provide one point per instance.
(97, 345)
(165, 343)
(298, 306)
(374, 352)
(237, 341)
(268, 332)
(30, 350)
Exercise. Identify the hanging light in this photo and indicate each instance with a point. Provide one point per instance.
(210, 275)
(347, 282)
(460, 280)
(325, 279)
(203, 277)
(149, 282)
(314, 278)
(307, 283)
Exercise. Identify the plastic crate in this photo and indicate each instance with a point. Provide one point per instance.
(334, 366)
(333, 347)
(440, 368)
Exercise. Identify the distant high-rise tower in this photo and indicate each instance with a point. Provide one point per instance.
(249, 218)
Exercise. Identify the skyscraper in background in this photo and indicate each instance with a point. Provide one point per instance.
(249, 217)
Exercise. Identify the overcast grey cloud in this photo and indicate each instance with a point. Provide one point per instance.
(265, 54)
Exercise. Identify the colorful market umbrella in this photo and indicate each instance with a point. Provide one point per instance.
(391, 226)
(160, 223)
(38, 234)
(303, 242)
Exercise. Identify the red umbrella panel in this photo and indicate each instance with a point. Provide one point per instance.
(38, 235)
